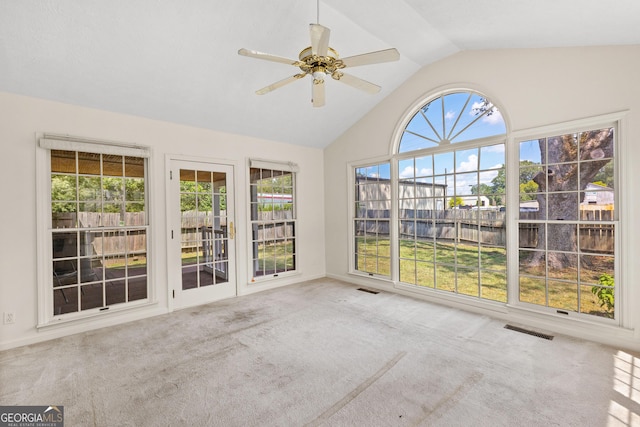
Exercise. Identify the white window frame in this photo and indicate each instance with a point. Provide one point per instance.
(351, 168)
(622, 195)
(45, 142)
(283, 166)
(395, 156)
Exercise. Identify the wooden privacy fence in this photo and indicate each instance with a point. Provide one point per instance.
(272, 225)
(470, 225)
(111, 242)
(485, 226)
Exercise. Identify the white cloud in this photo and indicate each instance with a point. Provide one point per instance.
(493, 119)
(470, 165)
(450, 115)
(408, 172)
(475, 107)
(487, 177)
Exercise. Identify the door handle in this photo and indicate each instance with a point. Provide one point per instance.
(232, 230)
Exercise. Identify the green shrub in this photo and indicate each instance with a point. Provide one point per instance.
(606, 295)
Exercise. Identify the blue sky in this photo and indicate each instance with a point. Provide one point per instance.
(447, 118)
(530, 150)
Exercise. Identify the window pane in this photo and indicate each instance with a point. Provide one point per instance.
(89, 189)
(533, 263)
(445, 278)
(533, 290)
(466, 160)
(597, 238)
(443, 163)
(91, 296)
(561, 237)
(425, 274)
(492, 157)
(468, 282)
(596, 269)
(115, 292)
(63, 161)
(134, 167)
(531, 151)
(494, 286)
(65, 245)
(65, 300)
(89, 163)
(63, 188)
(112, 165)
(563, 295)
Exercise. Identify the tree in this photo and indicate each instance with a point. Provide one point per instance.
(560, 177)
(528, 170)
(605, 176)
(455, 201)
(484, 190)
(526, 190)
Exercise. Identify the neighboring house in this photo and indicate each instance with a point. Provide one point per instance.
(598, 195)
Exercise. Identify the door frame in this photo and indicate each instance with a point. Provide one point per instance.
(173, 272)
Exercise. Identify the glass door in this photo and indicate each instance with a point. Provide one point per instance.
(202, 232)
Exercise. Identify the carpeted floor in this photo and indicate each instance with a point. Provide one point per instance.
(324, 353)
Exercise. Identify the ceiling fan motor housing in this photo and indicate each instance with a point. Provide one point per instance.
(320, 66)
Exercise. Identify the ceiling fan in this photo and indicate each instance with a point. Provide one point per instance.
(319, 61)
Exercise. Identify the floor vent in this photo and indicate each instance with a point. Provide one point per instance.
(368, 291)
(526, 331)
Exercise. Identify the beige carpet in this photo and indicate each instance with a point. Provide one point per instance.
(324, 353)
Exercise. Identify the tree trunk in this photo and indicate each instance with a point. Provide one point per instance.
(561, 187)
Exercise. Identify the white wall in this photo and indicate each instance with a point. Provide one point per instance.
(22, 117)
(532, 88)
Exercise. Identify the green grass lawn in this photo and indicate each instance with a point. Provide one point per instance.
(272, 257)
(478, 271)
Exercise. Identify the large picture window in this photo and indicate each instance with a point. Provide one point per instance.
(273, 219)
(98, 230)
(448, 219)
(451, 222)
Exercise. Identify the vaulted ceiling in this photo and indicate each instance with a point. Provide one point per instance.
(177, 60)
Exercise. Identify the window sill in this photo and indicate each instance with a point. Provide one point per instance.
(370, 276)
(92, 315)
(262, 279)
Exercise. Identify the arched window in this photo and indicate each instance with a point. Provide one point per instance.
(451, 190)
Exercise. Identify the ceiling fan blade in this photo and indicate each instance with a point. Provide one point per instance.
(318, 94)
(266, 56)
(377, 57)
(279, 84)
(359, 83)
(319, 39)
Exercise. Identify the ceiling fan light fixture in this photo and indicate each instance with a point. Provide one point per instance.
(319, 73)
